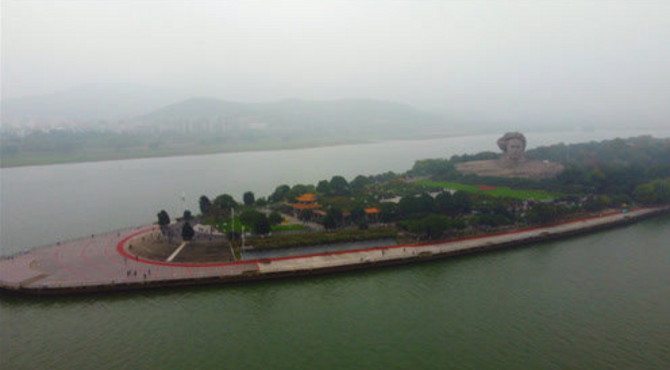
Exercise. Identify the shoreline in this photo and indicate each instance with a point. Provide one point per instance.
(102, 264)
(38, 159)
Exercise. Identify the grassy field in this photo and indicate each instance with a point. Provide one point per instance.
(291, 227)
(318, 238)
(500, 191)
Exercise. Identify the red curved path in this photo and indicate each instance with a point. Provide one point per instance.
(101, 260)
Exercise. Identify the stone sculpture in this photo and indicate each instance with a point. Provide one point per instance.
(513, 162)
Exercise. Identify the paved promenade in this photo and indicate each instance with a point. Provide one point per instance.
(102, 262)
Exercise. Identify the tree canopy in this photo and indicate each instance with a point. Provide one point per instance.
(187, 232)
(359, 182)
(339, 185)
(655, 192)
(225, 202)
(248, 198)
(280, 193)
(256, 221)
(163, 218)
(323, 187)
(275, 218)
(205, 204)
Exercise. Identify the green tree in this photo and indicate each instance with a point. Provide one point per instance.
(261, 225)
(655, 192)
(597, 203)
(323, 187)
(462, 202)
(261, 202)
(389, 212)
(329, 222)
(357, 214)
(205, 204)
(225, 203)
(279, 195)
(337, 215)
(596, 178)
(249, 198)
(255, 221)
(187, 232)
(542, 213)
(493, 219)
(433, 226)
(444, 203)
(275, 218)
(412, 206)
(339, 185)
(248, 217)
(163, 220)
(359, 182)
(188, 216)
(645, 194)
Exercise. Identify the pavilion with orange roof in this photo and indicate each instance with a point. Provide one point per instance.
(372, 214)
(303, 202)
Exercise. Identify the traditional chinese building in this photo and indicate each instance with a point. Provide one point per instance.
(304, 202)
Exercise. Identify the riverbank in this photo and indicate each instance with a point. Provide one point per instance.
(184, 149)
(102, 263)
(193, 147)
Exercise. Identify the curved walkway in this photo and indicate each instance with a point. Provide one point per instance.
(102, 262)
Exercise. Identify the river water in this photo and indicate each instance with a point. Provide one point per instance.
(599, 301)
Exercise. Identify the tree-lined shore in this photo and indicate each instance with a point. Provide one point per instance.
(433, 201)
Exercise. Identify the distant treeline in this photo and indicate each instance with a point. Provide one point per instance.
(62, 146)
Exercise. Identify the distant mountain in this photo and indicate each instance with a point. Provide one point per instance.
(88, 103)
(149, 108)
(294, 114)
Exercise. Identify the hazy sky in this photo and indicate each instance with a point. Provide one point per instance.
(504, 60)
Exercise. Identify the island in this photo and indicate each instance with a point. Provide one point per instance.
(433, 210)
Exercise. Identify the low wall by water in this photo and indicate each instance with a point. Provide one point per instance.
(344, 260)
(261, 254)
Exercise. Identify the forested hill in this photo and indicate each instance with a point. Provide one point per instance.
(202, 126)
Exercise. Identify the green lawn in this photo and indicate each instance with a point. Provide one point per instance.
(225, 226)
(499, 191)
(291, 227)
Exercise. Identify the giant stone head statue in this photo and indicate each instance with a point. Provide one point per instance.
(513, 145)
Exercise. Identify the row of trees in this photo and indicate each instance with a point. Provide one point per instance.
(654, 192)
(187, 232)
(336, 186)
(254, 220)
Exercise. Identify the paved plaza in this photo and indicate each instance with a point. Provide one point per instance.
(104, 262)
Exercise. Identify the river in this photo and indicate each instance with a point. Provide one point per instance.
(600, 301)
